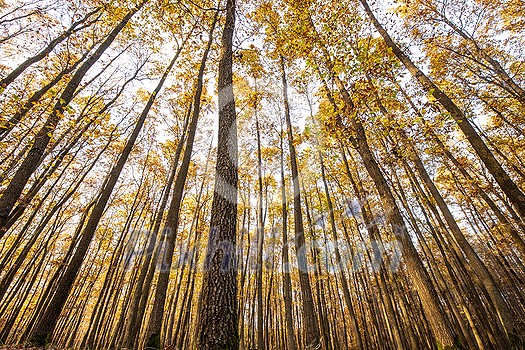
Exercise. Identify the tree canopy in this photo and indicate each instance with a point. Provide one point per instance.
(286, 174)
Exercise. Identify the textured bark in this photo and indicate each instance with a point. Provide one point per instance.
(260, 239)
(217, 324)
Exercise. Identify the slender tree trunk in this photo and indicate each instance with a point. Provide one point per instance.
(172, 221)
(287, 283)
(339, 260)
(311, 326)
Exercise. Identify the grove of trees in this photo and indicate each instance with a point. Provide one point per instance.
(258, 174)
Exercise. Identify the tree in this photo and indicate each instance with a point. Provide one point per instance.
(217, 315)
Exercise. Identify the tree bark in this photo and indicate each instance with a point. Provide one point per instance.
(217, 324)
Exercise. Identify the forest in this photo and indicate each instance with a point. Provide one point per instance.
(262, 174)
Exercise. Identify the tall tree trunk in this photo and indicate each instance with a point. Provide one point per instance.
(217, 324)
(260, 237)
(172, 221)
(311, 329)
(287, 283)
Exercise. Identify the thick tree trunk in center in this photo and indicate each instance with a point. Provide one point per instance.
(217, 324)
